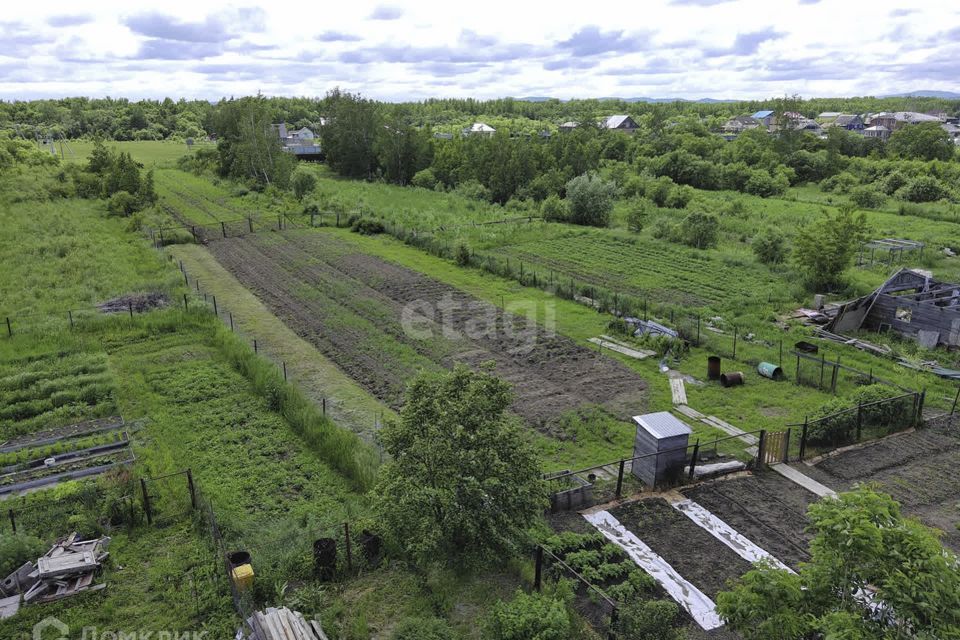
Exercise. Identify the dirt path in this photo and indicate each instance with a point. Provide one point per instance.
(353, 308)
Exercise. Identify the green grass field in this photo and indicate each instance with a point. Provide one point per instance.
(159, 153)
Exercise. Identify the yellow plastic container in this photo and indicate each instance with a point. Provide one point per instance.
(242, 576)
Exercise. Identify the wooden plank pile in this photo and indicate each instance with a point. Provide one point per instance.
(283, 624)
(67, 569)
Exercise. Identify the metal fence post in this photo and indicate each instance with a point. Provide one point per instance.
(859, 419)
(250, 223)
(9, 328)
(130, 309)
(923, 398)
(70, 317)
(693, 458)
(215, 312)
(735, 343)
(255, 349)
(761, 454)
(13, 520)
(231, 321)
(284, 370)
(223, 229)
(185, 301)
(146, 501)
(538, 571)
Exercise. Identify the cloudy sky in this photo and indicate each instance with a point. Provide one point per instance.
(417, 49)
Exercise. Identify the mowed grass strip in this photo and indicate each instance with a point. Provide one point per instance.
(348, 404)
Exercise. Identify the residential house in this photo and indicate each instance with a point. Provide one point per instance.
(439, 135)
(479, 129)
(740, 124)
(952, 130)
(302, 134)
(939, 114)
(827, 117)
(894, 120)
(569, 126)
(766, 118)
(620, 123)
(302, 142)
(850, 122)
(877, 131)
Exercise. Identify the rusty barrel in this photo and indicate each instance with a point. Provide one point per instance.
(731, 379)
(713, 368)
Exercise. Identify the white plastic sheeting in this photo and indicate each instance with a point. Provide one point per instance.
(726, 534)
(699, 606)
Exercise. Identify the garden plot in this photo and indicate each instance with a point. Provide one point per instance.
(767, 509)
(918, 468)
(358, 310)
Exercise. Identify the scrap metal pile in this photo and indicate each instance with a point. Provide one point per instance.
(67, 569)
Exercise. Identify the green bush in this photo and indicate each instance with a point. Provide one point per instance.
(473, 190)
(367, 227)
(303, 182)
(17, 549)
(699, 230)
(650, 620)
(867, 197)
(923, 189)
(122, 203)
(638, 214)
(463, 255)
(534, 616)
(425, 179)
(840, 183)
(554, 209)
(770, 246)
(422, 629)
(836, 421)
(590, 199)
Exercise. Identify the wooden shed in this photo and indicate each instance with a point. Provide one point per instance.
(667, 436)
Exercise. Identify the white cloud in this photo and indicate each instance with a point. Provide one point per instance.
(418, 49)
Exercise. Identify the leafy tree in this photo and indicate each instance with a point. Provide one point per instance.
(770, 246)
(147, 195)
(699, 230)
(590, 199)
(403, 150)
(923, 141)
(462, 484)
(16, 549)
(249, 146)
(351, 133)
(823, 249)
(303, 182)
(534, 616)
(862, 545)
(101, 158)
(639, 212)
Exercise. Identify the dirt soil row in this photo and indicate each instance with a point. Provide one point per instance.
(381, 323)
(696, 555)
(767, 509)
(918, 468)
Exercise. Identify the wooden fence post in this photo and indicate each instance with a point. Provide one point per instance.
(215, 311)
(13, 520)
(70, 317)
(761, 454)
(324, 406)
(284, 370)
(223, 228)
(146, 501)
(255, 348)
(184, 302)
(130, 308)
(9, 328)
(620, 478)
(192, 488)
(250, 224)
(923, 398)
(231, 320)
(346, 533)
(735, 343)
(859, 419)
(538, 571)
(803, 438)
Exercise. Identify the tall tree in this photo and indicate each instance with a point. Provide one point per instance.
(350, 134)
(923, 141)
(249, 146)
(463, 483)
(402, 150)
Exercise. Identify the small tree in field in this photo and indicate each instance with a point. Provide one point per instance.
(700, 230)
(463, 484)
(862, 545)
(770, 246)
(303, 182)
(823, 249)
(590, 198)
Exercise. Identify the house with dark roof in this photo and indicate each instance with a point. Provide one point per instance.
(850, 122)
(620, 123)
(740, 124)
